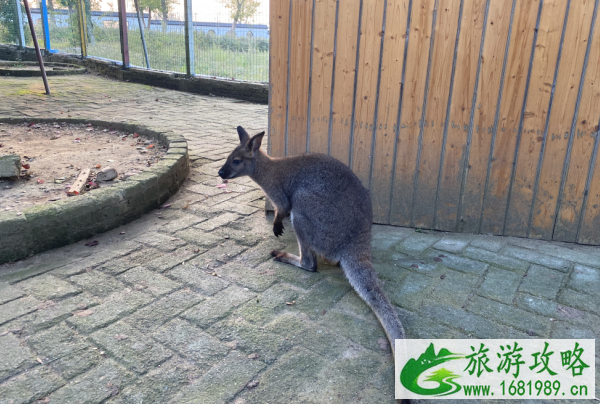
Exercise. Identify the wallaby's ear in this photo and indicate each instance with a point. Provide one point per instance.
(254, 143)
(244, 137)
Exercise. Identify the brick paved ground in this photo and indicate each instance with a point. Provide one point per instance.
(187, 305)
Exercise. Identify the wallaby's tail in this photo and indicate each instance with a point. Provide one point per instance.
(364, 280)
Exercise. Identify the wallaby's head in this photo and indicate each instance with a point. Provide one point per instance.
(242, 160)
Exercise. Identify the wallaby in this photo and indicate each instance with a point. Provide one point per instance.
(330, 211)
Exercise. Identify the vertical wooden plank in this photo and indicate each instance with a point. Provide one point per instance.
(536, 114)
(584, 134)
(299, 76)
(390, 85)
(435, 116)
(322, 70)
(490, 77)
(513, 91)
(343, 87)
(410, 114)
(278, 65)
(563, 108)
(569, 215)
(366, 87)
(469, 45)
(571, 212)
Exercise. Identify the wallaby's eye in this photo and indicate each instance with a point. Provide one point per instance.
(236, 162)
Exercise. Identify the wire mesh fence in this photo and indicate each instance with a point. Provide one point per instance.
(14, 28)
(37, 26)
(162, 32)
(63, 25)
(230, 37)
(103, 37)
(232, 42)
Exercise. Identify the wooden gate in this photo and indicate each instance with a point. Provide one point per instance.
(462, 115)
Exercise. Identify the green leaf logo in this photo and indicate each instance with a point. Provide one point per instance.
(444, 377)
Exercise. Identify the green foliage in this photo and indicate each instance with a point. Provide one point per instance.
(8, 15)
(66, 4)
(241, 10)
(222, 56)
(66, 35)
(230, 43)
(8, 22)
(161, 7)
(154, 5)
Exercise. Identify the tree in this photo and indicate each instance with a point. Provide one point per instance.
(67, 3)
(155, 6)
(165, 14)
(240, 11)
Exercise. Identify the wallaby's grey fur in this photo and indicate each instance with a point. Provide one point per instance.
(330, 211)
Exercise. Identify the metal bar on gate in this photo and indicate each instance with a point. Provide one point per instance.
(45, 26)
(139, 18)
(189, 39)
(81, 12)
(19, 25)
(37, 47)
(123, 33)
(84, 20)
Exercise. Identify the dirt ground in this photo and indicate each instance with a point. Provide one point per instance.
(53, 154)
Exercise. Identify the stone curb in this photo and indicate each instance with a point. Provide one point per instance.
(241, 90)
(72, 69)
(43, 227)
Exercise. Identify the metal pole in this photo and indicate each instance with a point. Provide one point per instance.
(123, 33)
(189, 39)
(37, 47)
(139, 18)
(45, 26)
(84, 19)
(81, 10)
(19, 25)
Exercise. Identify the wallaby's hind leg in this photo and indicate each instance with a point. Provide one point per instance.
(300, 262)
(307, 259)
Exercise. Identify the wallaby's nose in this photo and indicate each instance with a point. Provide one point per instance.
(222, 173)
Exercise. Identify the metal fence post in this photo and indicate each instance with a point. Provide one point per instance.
(82, 27)
(19, 24)
(45, 26)
(37, 47)
(123, 33)
(189, 39)
(141, 25)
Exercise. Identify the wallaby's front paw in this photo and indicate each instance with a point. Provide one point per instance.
(277, 254)
(278, 229)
